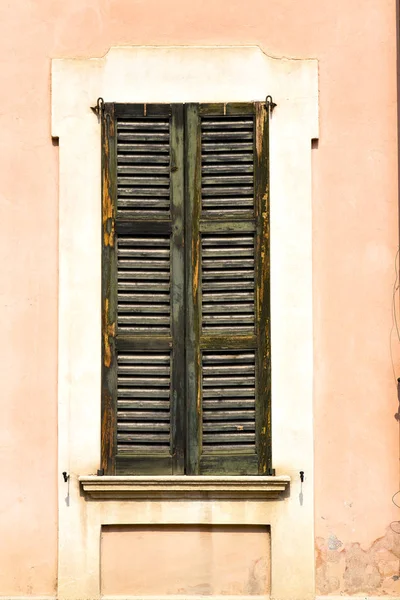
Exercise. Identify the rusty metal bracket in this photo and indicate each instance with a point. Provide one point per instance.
(270, 104)
(98, 109)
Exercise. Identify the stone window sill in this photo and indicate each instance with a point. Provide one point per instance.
(177, 486)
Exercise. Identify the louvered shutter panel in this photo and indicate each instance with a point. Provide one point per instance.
(227, 232)
(143, 286)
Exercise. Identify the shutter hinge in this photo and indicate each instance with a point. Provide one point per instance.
(100, 472)
(98, 109)
(270, 103)
(270, 472)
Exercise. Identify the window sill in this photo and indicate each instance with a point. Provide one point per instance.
(176, 486)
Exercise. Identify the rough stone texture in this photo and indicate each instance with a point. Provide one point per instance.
(352, 569)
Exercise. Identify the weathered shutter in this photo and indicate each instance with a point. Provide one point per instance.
(227, 232)
(143, 275)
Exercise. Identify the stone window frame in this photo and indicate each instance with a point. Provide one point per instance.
(185, 74)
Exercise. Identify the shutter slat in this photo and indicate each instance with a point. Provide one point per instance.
(143, 309)
(226, 146)
(155, 426)
(220, 320)
(150, 415)
(144, 124)
(234, 439)
(143, 320)
(226, 168)
(221, 190)
(217, 392)
(226, 134)
(143, 136)
(133, 245)
(147, 181)
(225, 285)
(226, 158)
(221, 297)
(141, 393)
(143, 287)
(140, 159)
(229, 308)
(231, 274)
(160, 440)
(225, 404)
(161, 275)
(228, 415)
(135, 381)
(143, 192)
(157, 446)
(236, 240)
(228, 204)
(136, 405)
(144, 369)
(236, 178)
(145, 147)
(147, 169)
(211, 124)
(152, 263)
(143, 298)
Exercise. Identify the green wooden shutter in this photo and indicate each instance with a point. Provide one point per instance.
(142, 289)
(227, 232)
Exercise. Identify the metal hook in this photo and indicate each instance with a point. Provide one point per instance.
(270, 103)
(98, 109)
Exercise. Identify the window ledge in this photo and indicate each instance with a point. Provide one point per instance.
(123, 487)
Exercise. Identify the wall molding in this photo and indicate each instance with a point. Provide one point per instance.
(233, 487)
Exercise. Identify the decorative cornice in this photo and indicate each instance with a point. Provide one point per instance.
(261, 487)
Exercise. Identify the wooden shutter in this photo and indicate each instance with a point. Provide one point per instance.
(227, 232)
(142, 289)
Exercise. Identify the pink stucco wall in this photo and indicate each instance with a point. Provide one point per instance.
(355, 221)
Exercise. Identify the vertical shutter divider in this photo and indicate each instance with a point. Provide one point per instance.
(109, 294)
(193, 357)
(261, 184)
(177, 292)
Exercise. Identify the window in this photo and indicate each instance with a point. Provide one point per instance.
(185, 289)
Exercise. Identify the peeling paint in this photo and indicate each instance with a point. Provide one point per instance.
(349, 569)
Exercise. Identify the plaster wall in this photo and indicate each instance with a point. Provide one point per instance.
(355, 239)
(188, 560)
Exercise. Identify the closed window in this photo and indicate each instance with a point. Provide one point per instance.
(185, 290)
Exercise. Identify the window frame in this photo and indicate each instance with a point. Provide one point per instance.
(173, 74)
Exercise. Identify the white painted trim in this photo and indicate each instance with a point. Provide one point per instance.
(123, 487)
(182, 74)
